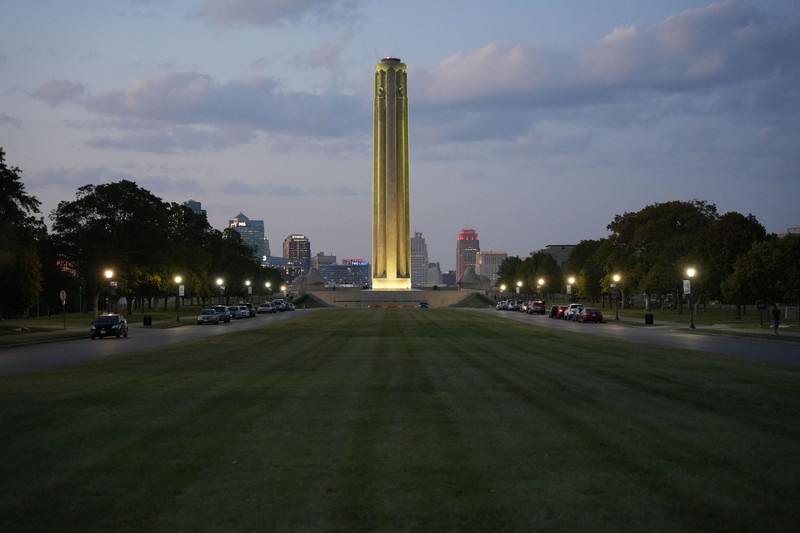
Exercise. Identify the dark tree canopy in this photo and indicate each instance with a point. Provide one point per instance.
(20, 271)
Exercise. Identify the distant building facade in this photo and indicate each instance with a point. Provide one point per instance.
(487, 264)
(419, 260)
(449, 278)
(351, 273)
(252, 232)
(559, 252)
(297, 248)
(321, 260)
(196, 207)
(434, 274)
(467, 249)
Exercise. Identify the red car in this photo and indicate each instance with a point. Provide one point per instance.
(590, 314)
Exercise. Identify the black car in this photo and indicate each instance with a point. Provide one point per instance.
(108, 325)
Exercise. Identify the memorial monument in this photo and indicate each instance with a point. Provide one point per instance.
(391, 210)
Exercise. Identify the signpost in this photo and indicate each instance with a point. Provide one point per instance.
(63, 296)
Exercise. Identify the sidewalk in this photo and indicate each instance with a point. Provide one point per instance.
(791, 331)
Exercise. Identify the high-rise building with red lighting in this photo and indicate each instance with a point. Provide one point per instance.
(467, 249)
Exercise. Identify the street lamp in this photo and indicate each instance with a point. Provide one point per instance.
(571, 282)
(268, 285)
(220, 283)
(109, 274)
(178, 280)
(540, 288)
(616, 279)
(519, 286)
(249, 290)
(690, 272)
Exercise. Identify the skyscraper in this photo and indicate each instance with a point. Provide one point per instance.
(488, 264)
(467, 249)
(252, 232)
(195, 206)
(297, 249)
(419, 260)
(391, 233)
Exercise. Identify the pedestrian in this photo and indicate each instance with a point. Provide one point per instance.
(776, 318)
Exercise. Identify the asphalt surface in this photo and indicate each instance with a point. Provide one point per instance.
(33, 357)
(677, 336)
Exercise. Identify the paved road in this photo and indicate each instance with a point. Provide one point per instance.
(675, 336)
(19, 359)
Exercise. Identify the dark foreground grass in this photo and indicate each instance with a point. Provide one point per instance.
(387, 419)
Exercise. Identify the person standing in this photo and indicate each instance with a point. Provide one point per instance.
(776, 318)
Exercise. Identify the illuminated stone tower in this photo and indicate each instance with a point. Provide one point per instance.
(391, 237)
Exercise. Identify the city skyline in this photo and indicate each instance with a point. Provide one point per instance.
(534, 123)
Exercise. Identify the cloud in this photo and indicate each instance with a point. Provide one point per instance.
(55, 92)
(177, 111)
(274, 12)
(724, 43)
(722, 60)
(5, 119)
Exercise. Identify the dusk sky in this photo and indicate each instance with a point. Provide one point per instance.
(531, 122)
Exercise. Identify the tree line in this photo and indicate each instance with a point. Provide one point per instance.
(736, 261)
(121, 227)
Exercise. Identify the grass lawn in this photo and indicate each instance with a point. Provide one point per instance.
(387, 419)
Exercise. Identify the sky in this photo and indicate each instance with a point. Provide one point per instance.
(534, 123)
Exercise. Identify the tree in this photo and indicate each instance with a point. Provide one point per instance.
(117, 226)
(20, 280)
(729, 237)
(769, 271)
(587, 264)
(652, 247)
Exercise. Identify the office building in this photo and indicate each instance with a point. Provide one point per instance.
(419, 261)
(297, 249)
(252, 232)
(467, 249)
(487, 264)
(196, 207)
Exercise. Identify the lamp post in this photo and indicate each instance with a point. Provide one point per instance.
(249, 289)
(268, 285)
(616, 279)
(687, 288)
(519, 286)
(221, 288)
(109, 274)
(571, 282)
(178, 280)
(540, 287)
(502, 289)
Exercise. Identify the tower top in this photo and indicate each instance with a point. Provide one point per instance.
(389, 59)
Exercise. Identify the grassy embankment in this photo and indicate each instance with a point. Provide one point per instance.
(402, 419)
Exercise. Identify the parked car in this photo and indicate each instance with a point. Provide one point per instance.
(223, 312)
(536, 307)
(502, 305)
(208, 316)
(266, 307)
(280, 304)
(572, 311)
(423, 304)
(289, 306)
(251, 310)
(109, 325)
(235, 311)
(590, 314)
(557, 311)
(244, 311)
